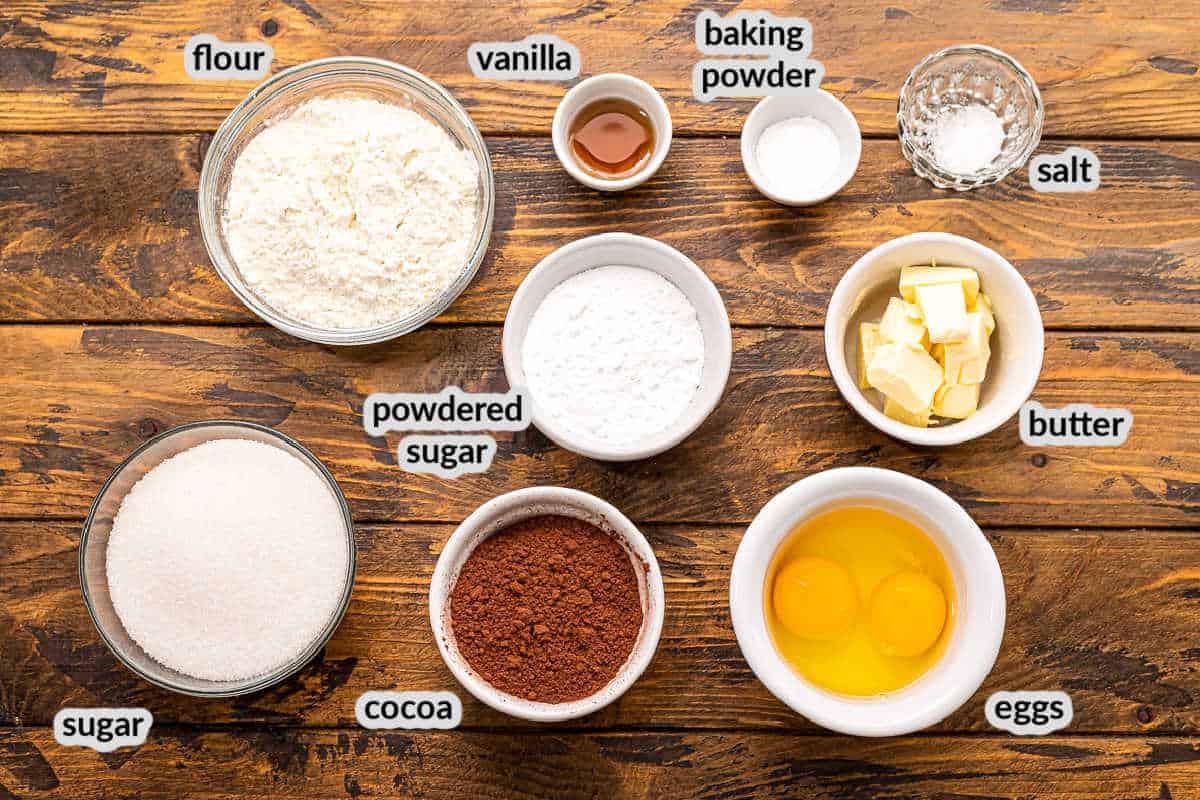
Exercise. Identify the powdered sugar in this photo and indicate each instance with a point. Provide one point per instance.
(350, 213)
(614, 354)
(227, 560)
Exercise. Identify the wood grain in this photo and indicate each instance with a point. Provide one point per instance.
(1125, 653)
(1105, 69)
(274, 763)
(76, 400)
(106, 228)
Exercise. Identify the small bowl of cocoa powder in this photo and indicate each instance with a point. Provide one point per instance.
(547, 603)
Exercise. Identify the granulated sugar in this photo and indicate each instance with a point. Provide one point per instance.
(614, 354)
(350, 213)
(226, 561)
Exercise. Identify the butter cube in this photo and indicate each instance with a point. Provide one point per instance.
(899, 413)
(966, 361)
(983, 305)
(945, 310)
(868, 340)
(956, 401)
(906, 373)
(912, 277)
(902, 323)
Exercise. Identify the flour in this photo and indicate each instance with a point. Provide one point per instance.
(228, 560)
(614, 355)
(350, 213)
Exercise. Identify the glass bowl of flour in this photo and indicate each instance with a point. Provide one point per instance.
(347, 200)
(218, 558)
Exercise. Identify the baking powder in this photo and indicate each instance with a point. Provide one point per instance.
(614, 355)
(967, 139)
(797, 156)
(350, 213)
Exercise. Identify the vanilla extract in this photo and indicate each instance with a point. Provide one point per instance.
(612, 138)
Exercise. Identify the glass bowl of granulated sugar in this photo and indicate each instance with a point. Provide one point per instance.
(968, 116)
(218, 559)
(347, 200)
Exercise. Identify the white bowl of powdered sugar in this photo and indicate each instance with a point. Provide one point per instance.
(622, 343)
(347, 200)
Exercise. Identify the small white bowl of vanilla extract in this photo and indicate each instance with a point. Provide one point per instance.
(612, 132)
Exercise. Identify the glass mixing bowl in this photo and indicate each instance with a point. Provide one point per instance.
(93, 550)
(362, 77)
(966, 75)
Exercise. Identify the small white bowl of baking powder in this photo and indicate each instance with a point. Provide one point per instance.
(801, 150)
(622, 343)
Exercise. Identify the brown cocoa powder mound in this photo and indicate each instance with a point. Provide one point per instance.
(547, 609)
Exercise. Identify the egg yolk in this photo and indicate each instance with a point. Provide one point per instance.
(907, 614)
(815, 598)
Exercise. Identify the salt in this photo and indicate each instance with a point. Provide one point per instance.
(967, 139)
(797, 156)
(226, 561)
(614, 354)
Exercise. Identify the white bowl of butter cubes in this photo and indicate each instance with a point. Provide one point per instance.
(934, 339)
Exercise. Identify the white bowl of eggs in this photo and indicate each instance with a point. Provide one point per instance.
(868, 601)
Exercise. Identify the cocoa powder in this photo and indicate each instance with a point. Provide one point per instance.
(547, 609)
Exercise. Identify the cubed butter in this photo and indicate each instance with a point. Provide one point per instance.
(944, 308)
(912, 277)
(966, 361)
(868, 340)
(900, 325)
(906, 373)
(983, 305)
(956, 401)
(899, 413)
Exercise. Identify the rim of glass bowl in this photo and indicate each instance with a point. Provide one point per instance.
(949, 180)
(301, 661)
(246, 113)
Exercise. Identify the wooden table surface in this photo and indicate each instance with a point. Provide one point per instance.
(114, 326)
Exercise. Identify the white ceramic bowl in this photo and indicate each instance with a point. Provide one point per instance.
(508, 509)
(604, 87)
(1017, 343)
(625, 249)
(979, 587)
(821, 105)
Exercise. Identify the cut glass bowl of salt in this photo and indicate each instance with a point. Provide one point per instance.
(968, 116)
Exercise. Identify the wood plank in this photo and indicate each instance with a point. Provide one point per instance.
(1104, 68)
(1107, 616)
(75, 400)
(122, 242)
(272, 763)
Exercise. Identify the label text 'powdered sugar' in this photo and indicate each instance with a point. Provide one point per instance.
(447, 455)
(451, 409)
